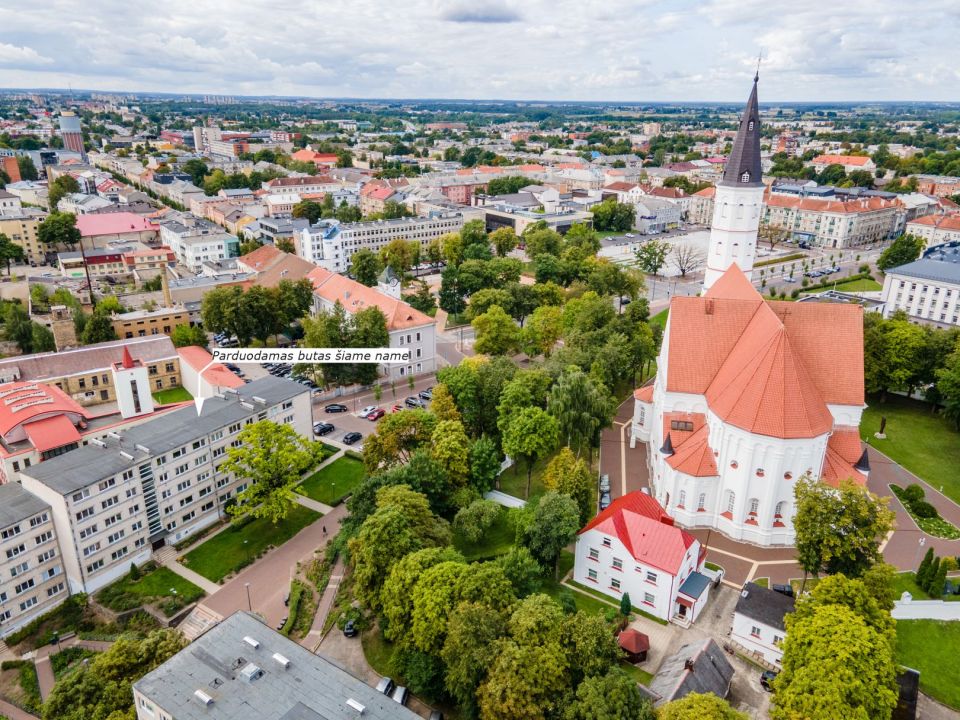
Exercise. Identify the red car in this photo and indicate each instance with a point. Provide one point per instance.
(376, 414)
(397, 408)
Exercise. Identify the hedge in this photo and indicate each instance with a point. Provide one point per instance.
(29, 682)
(296, 594)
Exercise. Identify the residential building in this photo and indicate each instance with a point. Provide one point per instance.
(70, 132)
(936, 229)
(330, 243)
(116, 259)
(31, 570)
(321, 160)
(143, 323)
(633, 547)
(655, 215)
(281, 204)
(697, 667)
(202, 377)
(374, 196)
(758, 622)
(849, 162)
(408, 327)
(81, 203)
(270, 265)
(10, 204)
(309, 185)
(84, 373)
(939, 185)
(928, 289)
(195, 240)
(203, 136)
(22, 228)
(116, 500)
(833, 222)
(243, 670)
(99, 229)
(8, 164)
(701, 206)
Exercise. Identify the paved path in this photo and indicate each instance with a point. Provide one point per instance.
(14, 713)
(269, 577)
(44, 667)
(314, 505)
(926, 610)
(313, 638)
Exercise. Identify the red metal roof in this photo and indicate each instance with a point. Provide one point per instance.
(645, 529)
(23, 402)
(113, 224)
(51, 432)
(215, 373)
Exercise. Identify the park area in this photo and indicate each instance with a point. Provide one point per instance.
(331, 484)
(921, 441)
(240, 544)
(932, 647)
(150, 585)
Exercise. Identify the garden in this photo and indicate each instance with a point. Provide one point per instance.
(331, 484)
(923, 513)
(172, 395)
(150, 585)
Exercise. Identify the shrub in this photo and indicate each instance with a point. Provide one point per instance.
(134, 572)
(923, 509)
(912, 493)
(863, 268)
(296, 594)
(28, 682)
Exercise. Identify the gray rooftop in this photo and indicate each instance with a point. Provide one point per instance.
(311, 687)
(17, 504)
(711, 672)
(764, 605)
(695, 584)
(940, 263)
(91, 463)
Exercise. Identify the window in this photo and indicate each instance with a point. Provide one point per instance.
(58, 588)
(46, 555)
(618, 564)
(91, 549)
(94, 566)
(88, 531)
(594, 554)
(110, 502)
(754, 631)
(181, 486)
(682, 425)
(682, 500)
(10, 532)
(138, 525)
(754, 506)
(107, 484)
(606, 542)
(731, 500)
(649, 599)
(113, 537)
(44, 537)
(19, 569)
(592, 575)
(117, 554)
(24, 586)
(651, 577)
(14, 551)
(702, 502)
(85, 513)
(38, 520)
(778, 512)
(28, 603)
(615, 584)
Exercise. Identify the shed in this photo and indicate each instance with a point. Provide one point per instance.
(635, 644)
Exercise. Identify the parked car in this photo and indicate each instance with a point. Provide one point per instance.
(605, 500)
(605, 483)
(385, 686)
(766, 679)
(350, 629)
(351, 437)
(376, 414)
(323, 428)
(367, 410)
(414, 402)
(426, 394)
(286, 600)
(783, 589)
(335, 408)
(436, 715)
(400, 694)
(790, 279)
(630, 235)
(397, 408)
(281, 623)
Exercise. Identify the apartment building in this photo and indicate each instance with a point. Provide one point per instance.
(330, 243)
(833, 222)
(939, 185)
(22, 229)
(936, 229)
(116, 500)
(10, 204)
(98, 230)
(928, 289)
(84, 373)
(142, 323)
(31, 568)
(195, 241)
(309, 185)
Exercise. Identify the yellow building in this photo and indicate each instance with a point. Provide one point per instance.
(22, 230)
(143, 323)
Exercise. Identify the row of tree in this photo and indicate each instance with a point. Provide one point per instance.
(259, 312)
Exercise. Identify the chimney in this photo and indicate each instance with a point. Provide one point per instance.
(709, 306)
(688, 664)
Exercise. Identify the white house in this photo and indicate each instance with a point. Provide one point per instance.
(927, 289)
(634, 547)
(758, 624)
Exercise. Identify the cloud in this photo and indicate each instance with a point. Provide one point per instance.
(479, 12)
(13, 56)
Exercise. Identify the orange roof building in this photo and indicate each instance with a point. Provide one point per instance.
(749, 397)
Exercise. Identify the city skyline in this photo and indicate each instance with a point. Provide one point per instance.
(496, 50)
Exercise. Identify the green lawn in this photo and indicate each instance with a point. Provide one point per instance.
(908, 582)
(638, 674)
(660, 318)
(334, 482)
(924, 443)
(172, 395)
(378, 651)
(239, 545)
(497, 541)
(864, 285)
(162, 586)
(932, 647)
(513, 480)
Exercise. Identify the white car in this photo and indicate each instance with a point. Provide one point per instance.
(630, 235)
(367, 410)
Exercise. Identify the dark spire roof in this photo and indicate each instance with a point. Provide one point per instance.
(667, 448)
(863, 464)
(743, 165)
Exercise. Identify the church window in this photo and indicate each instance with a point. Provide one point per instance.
(778, 513)
(745, 177)
(750, 126)
(734, 464)
(683, 425)
(683, 499)
(760, 472)
(731, 500)
(754, 506)
(788, 476)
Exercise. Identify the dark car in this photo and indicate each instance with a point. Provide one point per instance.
(414, 402)
(385, 686)
(350, 629)
(436, 715)
(426, 394)
(335, 408)
(783, 589)
(323, 428)
(282, 623)
(351, 437)
(376, 414)
(766, 680)
(605, 500)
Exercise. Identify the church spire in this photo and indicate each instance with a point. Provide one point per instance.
(743, 165)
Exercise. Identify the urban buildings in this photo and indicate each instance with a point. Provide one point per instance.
(936, 229)
(833, 222)
(99, 229)
(939, 185)
(195, 241)
(927, 289)
(850, 163)
(758, 625)
(144, 323)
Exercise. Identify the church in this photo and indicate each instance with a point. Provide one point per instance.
(750, 394)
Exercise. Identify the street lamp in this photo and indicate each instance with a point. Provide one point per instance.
(249, 604)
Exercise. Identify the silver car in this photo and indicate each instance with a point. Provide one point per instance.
(605, 483)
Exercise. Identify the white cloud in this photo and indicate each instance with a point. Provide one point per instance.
(14, 56)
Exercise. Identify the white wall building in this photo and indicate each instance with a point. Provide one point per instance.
(758, 624)
(928, 289)
(196, 241)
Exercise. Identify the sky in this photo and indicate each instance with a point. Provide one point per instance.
(612, 50)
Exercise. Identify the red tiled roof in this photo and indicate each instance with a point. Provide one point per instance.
(647, 532)
(633, 641)
(843, 451)
(51, 432)
(215, 374)
(707, 192)
(261, 258)
(857, 160)
(112, 224)
(693, 455)
(941, 222)
(620, 186)
(644, 394)
(855, 205)
(355, 296)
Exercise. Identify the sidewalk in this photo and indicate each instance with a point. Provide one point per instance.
(14, 713)
(312, 639)
(41, 660)
(170, 562)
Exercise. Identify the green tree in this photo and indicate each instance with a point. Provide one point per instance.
(197, 169)
(422, 299)
(434, 597)
(613, 215)
(570, 476)
(582, 409)
(503, 240)
(19, 328)
(948, 387)
(496, 332)
(452, 295)
(59, 230)
(10, 252)
(98, 329)
(28, 171)
(652, 256)
(368, 330)
(699, 706)
(450, 449)
(184, 335)
(365, 266)
(469, 650)
(473, 521)
(584, 237)
(59, 188)
(397, 437)
(893, 353)
(451, 246)
(590, 646)
(395, 596)
(542, 331)
(42, 338)
(272, 457)
(506, 185)
(552, 526)
(523, 683)
(476, 385)
(484, 463)
(308, 209)
(937, 578)
(400, 255)
(923, 570)
(901, 251)
(530, 435)
(543, 242)
(613, 696)
(482, 300)
(522, 570)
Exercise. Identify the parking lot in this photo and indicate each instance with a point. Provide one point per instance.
(353, 420)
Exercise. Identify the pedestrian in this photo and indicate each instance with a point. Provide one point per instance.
(324, 530)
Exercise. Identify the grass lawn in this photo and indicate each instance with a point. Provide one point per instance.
(68, 659)
(638, 674)
(333, 483)
(378, 651)
(924, 443)
(864, 285)
(762, 582)
(239, 545)
(932, 647)
(513, 480)
(660, 318)
(161, 585)
(172, 395)
(497, 541)
(907, 582)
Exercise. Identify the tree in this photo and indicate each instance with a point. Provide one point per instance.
(42, 337)
(369, 330)
(308, 209)
(482, 300)
(613, 696)
(522, 570)
(590, 646)
(62, 186)
(422, 299)
(507, 185)
(503, 240)
(552, 526)
(10, 252)
(397, 437)
(496, 332)
(28, 171)
(402, 523)
(476, 385)
(365, 266)
(523, 682)
(98, 329)
(922, 574)
(542, 331)
(583, 237)
(893, 352)
(185, 335)
(473, 521)
(400, 255)
(582, 409)
(272, 457)
(613, 215)
(530, 435)
(59, 230)
(937, 578)
(484, 463)
(442, 405)
(434, 597)
(19, 328)
(399, 584)
(450, 449)
(699, 706)
(451, 246)
(197, 169)
(610, 279)
(570, 476)
(542, 242)
(838, 529)
(474, 232)
(469, 650)
(452, 298)
(901, 251)
(688, 258)
(652, 256)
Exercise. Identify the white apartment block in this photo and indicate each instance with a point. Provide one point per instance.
(936, 229)
(196, 241)
(116, 500)
(330, 244)
(31, 570)
(928, 289)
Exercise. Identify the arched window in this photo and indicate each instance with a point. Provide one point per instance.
(745, 177)
(731, 500)
(778, 513)
(683, 499)
(702, 502)
(750, 125)
(754, 506)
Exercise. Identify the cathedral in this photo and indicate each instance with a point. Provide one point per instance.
(750, 394)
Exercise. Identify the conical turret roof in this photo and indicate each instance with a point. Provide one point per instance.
(743, 165)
